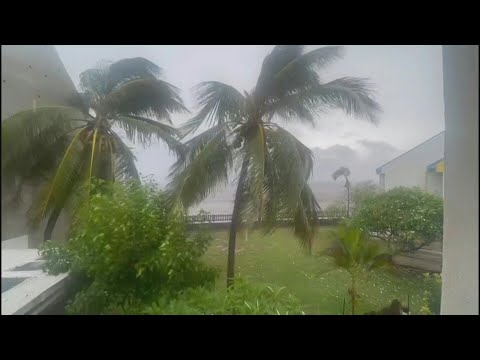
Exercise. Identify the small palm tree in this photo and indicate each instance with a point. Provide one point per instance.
(66, 146)
(345, 172)
(244, 136)
(357, 254)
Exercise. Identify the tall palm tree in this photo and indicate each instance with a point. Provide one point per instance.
(345, 172)
(66, 146)
(244, 136)
(358, 255)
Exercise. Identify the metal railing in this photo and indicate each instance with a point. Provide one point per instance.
(219, 218)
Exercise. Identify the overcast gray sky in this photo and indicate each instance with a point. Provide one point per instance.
(408, 80)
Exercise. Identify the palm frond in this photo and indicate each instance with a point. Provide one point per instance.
(148, 98)
(125, 168)
(126, 70)
(313, 60)
(219, 103)
(94, 82)
(32, 140)
(142, 130)
(256, 151)
(352, 95)
(54, 193)
(305, 217)
(341, 171)
(205, 166)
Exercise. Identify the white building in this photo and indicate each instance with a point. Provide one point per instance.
(421, 166)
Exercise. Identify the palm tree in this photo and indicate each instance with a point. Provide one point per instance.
(357, 254)
(243, 136)
(66, 146)
(343, 171)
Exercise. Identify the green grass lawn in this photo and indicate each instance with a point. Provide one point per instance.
(278, 259)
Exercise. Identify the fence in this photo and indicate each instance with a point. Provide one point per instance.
(223, 218)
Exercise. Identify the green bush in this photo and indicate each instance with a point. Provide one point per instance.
(243, 299)
(133, 250)
(432, 296)
(57, 257)
(406, 218)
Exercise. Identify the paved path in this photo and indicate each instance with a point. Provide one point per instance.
(426, 259)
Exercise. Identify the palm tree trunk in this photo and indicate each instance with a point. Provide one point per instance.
(52, 220)
(235, 223)
(348, 197)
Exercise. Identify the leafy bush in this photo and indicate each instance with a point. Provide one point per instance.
(133, 250)
(406, 218)
(432, 297)
(57, 257)
(242, 299)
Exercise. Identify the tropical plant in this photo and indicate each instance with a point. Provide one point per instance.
(345, 172)
(66, 146)
(132, 250)
(357, 254)
(244, 136)
(407, 219)
(358, 194)
(245, 298)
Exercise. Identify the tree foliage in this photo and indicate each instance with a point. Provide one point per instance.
(132, 249)
(64, 147)
(406, 218)
(244, 136)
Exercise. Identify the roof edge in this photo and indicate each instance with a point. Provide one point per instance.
(379, 169)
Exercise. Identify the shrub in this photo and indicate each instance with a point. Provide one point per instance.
(57, 257)
(432, 296)
(133, 250)
(406, 218)
(242, 299)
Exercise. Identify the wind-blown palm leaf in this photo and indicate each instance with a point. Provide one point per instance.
(142, 130)
(149, 98)
(219, 103)
(54, 193)
(193, 181)
(305, 217)
(341, 171)
(126, 70)
(94, 82)
(255, 150)
(352, 95)
(31, 138)
(125, 168)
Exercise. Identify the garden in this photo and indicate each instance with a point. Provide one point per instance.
(130, 249)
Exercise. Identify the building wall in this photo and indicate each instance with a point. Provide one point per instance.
(410, 168)
(434, 183)
(31, 74)
(460, 233)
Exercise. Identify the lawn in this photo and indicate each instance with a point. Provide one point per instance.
(278, 259)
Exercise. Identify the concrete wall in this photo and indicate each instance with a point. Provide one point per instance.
(31, 74)
(410, 168)
(460, 239)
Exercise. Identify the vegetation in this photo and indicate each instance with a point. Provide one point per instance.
(358, 194)
(345, 172)
(244, 298)
(316, 281)
(405, 218)
(243, 135)
(432, 295)
(358, 255)
(64, 147)
(132, 251)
